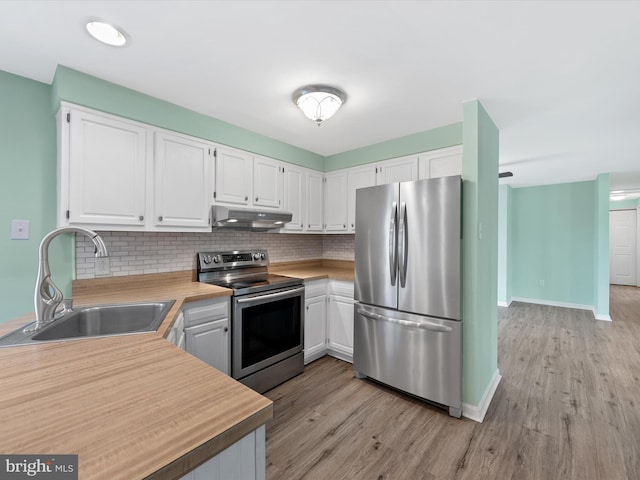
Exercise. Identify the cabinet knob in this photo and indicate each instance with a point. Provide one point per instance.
(141, 217)
(160, 218)
(226, 329)
(256, 199)
(344, 226)
(352, 225)
(246, 199)
(309, 226)
(301, 225)
(307, 307)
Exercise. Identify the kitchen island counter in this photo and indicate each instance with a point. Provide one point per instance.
(131, 406)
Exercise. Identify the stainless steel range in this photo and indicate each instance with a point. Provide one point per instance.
(267, 316)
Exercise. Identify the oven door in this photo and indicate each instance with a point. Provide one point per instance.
(267, 328)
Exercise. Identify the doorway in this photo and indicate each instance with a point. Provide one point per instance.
(623, 247)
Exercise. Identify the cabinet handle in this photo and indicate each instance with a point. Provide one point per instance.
(141, 217)
(160, 218)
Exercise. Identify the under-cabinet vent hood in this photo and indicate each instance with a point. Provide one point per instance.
(233, 218)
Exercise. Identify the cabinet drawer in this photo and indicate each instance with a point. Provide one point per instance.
(315, 288)
(206, 313)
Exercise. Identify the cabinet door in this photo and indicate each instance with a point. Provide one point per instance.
(360, 177)
(210, 342)
(440, 163)
(315, 329)
(267, 183)
(294, 197)
(182, 169)
(340, 324)
(233, 176)
(404, 169)
(335, 202)
(107, 170)
(315, 197)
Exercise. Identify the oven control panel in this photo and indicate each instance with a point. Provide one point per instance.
(208, 261)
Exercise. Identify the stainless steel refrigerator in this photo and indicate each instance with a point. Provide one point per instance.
(407, 316)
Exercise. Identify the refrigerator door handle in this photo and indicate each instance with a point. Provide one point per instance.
(393, 251)
(434, 327)
(403, 246)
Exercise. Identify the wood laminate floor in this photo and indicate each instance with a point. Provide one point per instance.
(568, 407)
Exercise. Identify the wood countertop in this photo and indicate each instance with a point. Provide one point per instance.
(131, 406)
(310, 270)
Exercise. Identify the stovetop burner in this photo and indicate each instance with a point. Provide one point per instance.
(244, 272)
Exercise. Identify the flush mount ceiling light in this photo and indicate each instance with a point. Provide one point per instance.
(319, 102)
(106, 33)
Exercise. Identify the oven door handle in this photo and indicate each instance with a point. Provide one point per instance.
(270, 296)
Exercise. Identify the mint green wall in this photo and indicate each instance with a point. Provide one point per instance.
(479, 251)
(554, 242)
(79, 88)
(601, 247)
(27, 192)
(624, 204)
(504, 248)
(441, 137)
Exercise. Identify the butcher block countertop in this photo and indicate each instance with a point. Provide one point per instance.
(130, 406)
(316, 269)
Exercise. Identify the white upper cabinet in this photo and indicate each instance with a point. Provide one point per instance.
(267, 182)
(443, 162)
(294, 198)
(233, 175)
(402, 169)
(357, 177)
(182, 181)
(335, 201)
(314, 203)
(101, 169)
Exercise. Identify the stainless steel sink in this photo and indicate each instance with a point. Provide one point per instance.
(96, 321)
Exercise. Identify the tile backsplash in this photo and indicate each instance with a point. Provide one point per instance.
(134, 253)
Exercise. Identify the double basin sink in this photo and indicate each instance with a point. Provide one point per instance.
(95, 321)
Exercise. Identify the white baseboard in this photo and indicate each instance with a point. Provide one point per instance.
(578, 306)
(340, 355)
(598, 316)
(505, 304)
(478, 412)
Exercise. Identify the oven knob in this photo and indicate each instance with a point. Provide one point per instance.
(262, 256)
(207, 259)
(217, 259)
(256, 256)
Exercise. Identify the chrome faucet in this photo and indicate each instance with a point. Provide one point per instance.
(47, 295)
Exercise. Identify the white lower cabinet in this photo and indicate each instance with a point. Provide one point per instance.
(340, 320)
(328, 320)
(315, 320)
(207, 334)
(244, 460)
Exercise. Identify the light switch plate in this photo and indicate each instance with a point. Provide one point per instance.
(19, 229)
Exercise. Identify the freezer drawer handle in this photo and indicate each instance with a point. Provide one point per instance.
(393, 251)
(434, 327)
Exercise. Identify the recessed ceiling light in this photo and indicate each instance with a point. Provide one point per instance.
(106, 33)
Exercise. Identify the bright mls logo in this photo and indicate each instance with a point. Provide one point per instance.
(49, 467)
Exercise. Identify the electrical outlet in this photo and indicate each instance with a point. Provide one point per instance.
(102, 266)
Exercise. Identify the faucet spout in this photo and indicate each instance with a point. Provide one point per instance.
(47, 295)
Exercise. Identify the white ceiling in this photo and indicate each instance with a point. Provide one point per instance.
(560, 79)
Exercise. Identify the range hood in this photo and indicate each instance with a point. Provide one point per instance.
(235, 218)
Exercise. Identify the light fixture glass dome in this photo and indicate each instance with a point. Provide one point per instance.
(106, 33)
(319, 102)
